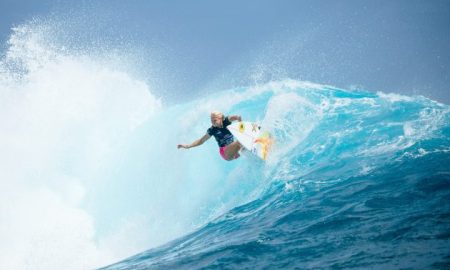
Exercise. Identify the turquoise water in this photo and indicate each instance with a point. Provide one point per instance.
(356, 180)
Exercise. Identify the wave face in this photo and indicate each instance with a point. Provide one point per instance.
(355, 179)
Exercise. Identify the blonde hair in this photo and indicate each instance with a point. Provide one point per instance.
(216, 114)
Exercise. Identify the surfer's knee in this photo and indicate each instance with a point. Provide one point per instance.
(232, 155)
(228, 159)
(236, 156)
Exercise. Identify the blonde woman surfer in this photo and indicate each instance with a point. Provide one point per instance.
(228, 148)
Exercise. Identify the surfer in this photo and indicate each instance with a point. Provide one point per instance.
(228, 148)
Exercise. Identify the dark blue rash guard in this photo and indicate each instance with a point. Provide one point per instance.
(222, 135)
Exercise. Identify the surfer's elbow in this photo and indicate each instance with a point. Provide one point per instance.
(235, 118)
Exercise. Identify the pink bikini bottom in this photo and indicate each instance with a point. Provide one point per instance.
(222, 153)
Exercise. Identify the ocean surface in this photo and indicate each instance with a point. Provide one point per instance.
(355, 180)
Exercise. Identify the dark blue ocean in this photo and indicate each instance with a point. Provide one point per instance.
(356, 179)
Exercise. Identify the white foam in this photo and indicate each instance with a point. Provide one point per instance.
(61, 116)
(393, 97)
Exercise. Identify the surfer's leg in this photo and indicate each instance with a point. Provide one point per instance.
(231, 151)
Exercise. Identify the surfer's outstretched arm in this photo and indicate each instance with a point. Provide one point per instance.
(234, 118)
(195, 143)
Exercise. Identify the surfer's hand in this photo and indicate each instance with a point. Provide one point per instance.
(182, 146)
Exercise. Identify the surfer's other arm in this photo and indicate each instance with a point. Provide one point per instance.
(235, 118)
(195, 143)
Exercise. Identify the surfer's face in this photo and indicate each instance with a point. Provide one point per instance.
(216, 121)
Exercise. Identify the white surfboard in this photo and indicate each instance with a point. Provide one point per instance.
(252, 137)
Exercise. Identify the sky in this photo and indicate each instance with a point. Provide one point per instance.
(197, 47)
